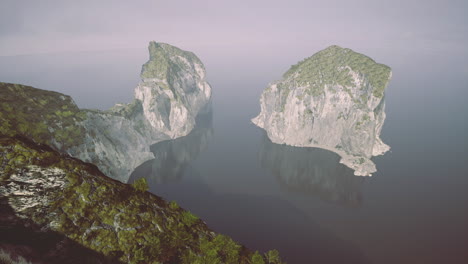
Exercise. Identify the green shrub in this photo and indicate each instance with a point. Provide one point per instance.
(272, 257)
(188, 218)
(141, 185)
(173, 205)
(257, 258)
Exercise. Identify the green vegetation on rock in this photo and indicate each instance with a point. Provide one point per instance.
(117, 220)
(43, 116)
(166, 60)
(332, 65)
(169, 65)
(125, 110)
(141, 185)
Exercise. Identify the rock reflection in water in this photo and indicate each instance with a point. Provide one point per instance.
(311, 171)
(173, 156)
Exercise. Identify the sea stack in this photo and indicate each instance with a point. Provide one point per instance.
(333, 100)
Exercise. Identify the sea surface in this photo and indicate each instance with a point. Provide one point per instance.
(300, 201)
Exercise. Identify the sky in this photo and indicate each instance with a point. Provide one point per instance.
(235, 27)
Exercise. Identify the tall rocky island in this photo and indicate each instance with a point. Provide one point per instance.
(333, 100)
(172, 92)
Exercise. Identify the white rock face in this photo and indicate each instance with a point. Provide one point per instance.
(172, 92)
(23, 188)
(333, 100)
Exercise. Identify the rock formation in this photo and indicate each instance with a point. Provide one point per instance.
(333, 100)
(173, 90)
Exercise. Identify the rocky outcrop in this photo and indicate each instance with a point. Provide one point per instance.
(173, 90)
(333, 100)
(62, 196)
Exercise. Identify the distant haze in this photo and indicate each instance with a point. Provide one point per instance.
(232, 27)
(93, 50)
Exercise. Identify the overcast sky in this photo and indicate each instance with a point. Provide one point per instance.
(29, 27)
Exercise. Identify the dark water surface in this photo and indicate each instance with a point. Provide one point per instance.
(302, 201)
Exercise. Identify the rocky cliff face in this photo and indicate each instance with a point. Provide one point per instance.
(333, 100)
(172, 92)
(173, 89)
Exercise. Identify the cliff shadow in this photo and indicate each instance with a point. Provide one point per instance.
(311, 171)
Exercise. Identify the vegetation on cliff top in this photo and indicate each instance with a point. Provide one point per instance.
(118, 220)
(41, 115)
(330, 67)
(166, 61)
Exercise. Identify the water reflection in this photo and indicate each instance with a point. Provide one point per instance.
(173, 156)
(311, 171)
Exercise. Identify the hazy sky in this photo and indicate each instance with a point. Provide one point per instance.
(28, 27)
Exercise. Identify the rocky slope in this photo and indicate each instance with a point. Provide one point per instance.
(333, 100)
(121, 223)
(172, 92)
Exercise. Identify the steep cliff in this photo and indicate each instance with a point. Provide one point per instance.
(75, 208)
(173, 89)
(333, 100)
(172, 92)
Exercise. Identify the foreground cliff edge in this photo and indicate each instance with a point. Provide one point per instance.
(172, 92)
(44, 191)
(333, 100)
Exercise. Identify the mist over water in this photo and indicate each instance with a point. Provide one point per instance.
(297, 200)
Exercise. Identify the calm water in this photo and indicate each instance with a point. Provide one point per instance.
(302, 201)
